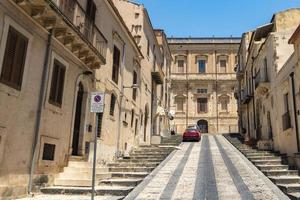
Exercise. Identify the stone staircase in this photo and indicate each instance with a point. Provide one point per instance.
(117, 179)
(273, 165)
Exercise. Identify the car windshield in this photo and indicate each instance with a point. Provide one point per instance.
(190, 129)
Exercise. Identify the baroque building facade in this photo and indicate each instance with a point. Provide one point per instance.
(53, 54)
(268, 85)
(202, 83)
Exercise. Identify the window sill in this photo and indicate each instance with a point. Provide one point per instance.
(9, 90)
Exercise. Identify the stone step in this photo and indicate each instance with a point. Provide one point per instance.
(258, 154)
(120, 182)
(280, 172)
(107, 190)
(272, 167)
(148, 157)
(139, 160)
(83, 175)
(129, 174)
(131, 169)
(84, 169)
(145, 153)
(270, 157)
(266, 162)
(285, 179)
(128, 164)
(294, 195)
(73, 182)
(289, 188)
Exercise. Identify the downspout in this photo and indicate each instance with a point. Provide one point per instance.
(39, 110)
(117, 154)
(253, 100)
(295, 109)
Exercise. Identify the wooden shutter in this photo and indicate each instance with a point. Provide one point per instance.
(116, 63)
(14, 59)
(57, 84)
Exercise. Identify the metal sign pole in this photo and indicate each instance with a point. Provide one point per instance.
(97, 104)
(95, 158)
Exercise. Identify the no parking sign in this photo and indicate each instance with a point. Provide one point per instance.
(97, 102)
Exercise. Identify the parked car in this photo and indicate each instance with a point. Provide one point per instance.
(194, 126)
(191, 134)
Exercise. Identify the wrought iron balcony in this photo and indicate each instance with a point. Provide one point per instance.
(70, 26)
(286, 121)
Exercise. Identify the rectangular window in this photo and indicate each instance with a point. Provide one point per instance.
(134, 82)
(100, 117)
(116, 65)
(132, 118)
(201, 66)
(180, 65)
(112, 105)
(14, 59)
(223, 63)
(180, 104)
(224, 105)
(57, 83)
(202, 91)
(48, 152)
(202, 105)
(148, 47)
(286, 102)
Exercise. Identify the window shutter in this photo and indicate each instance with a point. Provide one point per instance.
(14, 59)
(19, 61)
(9, 56)
(61, 84)
(52, 97)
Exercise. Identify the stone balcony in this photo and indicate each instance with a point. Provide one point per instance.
(158, 75)
(70, 26)
(203, 76)
(262, 83)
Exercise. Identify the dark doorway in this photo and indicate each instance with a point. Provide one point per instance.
(203, 126)
(77, 121)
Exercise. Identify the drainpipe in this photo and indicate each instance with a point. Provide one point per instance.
(117, 154)
(295, 109)
(253, 102)
(39, 110)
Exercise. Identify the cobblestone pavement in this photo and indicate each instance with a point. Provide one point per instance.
(211, 169)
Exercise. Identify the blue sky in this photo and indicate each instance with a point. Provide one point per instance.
(200, 18)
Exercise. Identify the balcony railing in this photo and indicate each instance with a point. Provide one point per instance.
(77, 15)
(158, 75)
(203, 76)
(70, 27)
(261, 76)
(286, 121)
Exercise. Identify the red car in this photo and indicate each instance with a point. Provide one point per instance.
(191, 134)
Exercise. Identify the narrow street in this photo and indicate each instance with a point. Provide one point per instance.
(211, 169)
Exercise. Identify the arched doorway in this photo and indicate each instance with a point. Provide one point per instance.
(77, 120)
(146, 122)
(203, 126)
